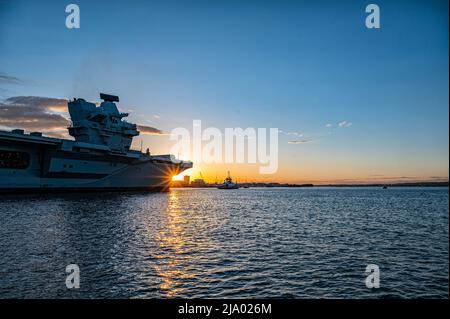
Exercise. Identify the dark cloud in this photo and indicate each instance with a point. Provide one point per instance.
(44, 103)
(7, 79)
(143, 129)
(33, 113)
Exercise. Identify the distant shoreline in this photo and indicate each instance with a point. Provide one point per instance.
(272, 185)
(416, 184)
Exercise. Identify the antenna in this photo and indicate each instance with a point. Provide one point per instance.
(109, 97)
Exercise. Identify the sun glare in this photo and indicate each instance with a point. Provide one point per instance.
(178, 177)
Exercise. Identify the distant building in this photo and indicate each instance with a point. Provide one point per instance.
(198, 183)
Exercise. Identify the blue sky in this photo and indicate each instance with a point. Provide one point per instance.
(295, 65)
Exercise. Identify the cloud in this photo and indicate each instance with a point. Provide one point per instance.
(439, 177)
(290, 133)
(386, 177)
(328, 125)
(345, 124)
(33, 113)
(144, 129)
(45, 114)
(8, 79)
(299, 141)
(58, 134)
(44, 103)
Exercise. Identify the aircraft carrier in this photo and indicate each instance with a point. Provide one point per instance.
(98, 159)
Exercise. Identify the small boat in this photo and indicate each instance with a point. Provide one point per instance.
(228, 183)
(385, 187)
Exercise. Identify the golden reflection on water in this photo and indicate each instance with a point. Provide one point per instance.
(172, 242)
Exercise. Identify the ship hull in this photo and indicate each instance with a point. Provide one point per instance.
(37, 190)
(32, 166)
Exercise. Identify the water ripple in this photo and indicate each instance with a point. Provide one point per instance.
(204, 243)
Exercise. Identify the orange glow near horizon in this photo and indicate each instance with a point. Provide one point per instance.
(243, 173)
(315, 166)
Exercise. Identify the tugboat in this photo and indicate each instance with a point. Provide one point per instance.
(98, 159)
(228, 183)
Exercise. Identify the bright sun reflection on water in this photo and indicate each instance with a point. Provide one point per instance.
(171, 239)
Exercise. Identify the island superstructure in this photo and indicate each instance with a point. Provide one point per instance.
(99, 158)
